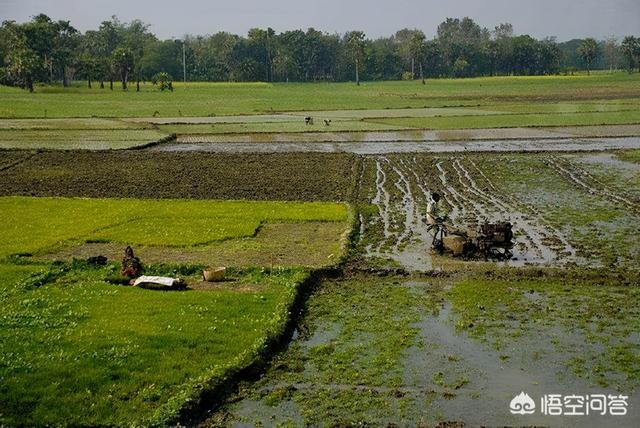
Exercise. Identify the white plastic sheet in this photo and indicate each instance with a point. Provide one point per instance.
(160, 280)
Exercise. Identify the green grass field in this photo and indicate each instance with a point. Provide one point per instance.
(36, 225)
(207, 99)
(77, 350)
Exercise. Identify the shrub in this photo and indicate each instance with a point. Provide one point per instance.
(407, 75)
(163, 80)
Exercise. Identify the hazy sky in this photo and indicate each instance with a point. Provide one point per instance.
(565, 19)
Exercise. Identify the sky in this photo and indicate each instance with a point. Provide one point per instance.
(565, 19)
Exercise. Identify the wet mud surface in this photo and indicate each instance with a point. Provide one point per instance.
(197, 144)
(414, 135)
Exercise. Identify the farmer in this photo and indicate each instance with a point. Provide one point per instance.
(432, 209)
(131, 265)
(436, 223)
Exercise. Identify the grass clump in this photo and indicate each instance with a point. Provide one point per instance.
(629, 156)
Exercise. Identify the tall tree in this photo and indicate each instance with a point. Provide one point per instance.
(355, 46)
(589, 51)
(89, 58)
(261, 46)
(463, 39)
(403, 40)
(631, 50)
(40, 34)
(110, 37)
(65, 46)
(384, 60)
(123, 63)
(417, 47)
(611, 50)
(23, 63)
(136, 37)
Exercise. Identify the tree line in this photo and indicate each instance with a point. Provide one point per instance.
(47, 51)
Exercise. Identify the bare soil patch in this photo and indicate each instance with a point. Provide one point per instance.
(141, 174)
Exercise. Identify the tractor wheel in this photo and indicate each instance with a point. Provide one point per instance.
(438, 245)
(468, 250)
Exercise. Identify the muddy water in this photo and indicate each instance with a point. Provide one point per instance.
(492, 381)
(530, 234)
(406, 135)
(387, 147)
(443, 375)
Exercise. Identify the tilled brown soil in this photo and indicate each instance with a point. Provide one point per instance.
(139, 174)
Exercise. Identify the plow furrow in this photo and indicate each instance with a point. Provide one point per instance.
(403, 187)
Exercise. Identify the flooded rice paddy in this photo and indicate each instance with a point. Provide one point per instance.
(433, 371)
(199, 144)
